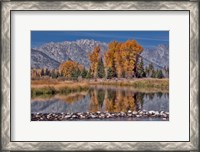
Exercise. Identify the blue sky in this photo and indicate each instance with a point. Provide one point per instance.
(144, 38)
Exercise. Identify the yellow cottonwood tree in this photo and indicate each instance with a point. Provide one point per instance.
(109, 57)
(94, 58)
(68, 67)
(122, 57)
(130, 50)
(118, 60)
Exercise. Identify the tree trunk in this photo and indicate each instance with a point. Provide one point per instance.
(106, 72)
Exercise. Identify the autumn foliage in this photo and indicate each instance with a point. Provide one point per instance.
(122, 57)
(94, 58)
(70, 69)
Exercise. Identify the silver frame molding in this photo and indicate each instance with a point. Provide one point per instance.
(7, 6)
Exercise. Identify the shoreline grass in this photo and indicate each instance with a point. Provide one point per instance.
(136, 83)
(42, 87)
(54, 86)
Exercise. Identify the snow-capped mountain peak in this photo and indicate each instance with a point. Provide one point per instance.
(78, 51)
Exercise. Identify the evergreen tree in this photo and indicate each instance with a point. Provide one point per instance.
(84, 73)
(110, 73)
(75, 74)
(151, 67)
(54, 74)
(152, 72)
(47, 72)
(147, 71)
(166, 71)
(140, 73)
(100, 96)
(89, 74)
(160, 74)
(100, 69)
(42, 72)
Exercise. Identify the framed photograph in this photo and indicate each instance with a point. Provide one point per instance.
(106, 75)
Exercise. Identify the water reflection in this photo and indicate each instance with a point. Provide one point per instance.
(115, 99)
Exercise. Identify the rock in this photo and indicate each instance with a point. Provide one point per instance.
(67, 116)
(129, 115)
(93, 116)
(113, 115)
(129, 111)
(134, 112)
(98, 112)
(117, 115)
(122, 114)
(48, 116)
(164, 115)
(74, 116)
(151, 112)
(108, 116)
(102, 115)
(82, 117)
(161, 113)
(156, 113)
(79, 113)
(60, 118)
(141, 113)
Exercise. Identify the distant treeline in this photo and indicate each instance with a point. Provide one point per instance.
(75, 73)
(121, 60)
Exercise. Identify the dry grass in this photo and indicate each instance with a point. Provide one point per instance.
(49, 81)
(53, 86)
(130, 88)
(38, 84)
(136, 83)
(39, 87)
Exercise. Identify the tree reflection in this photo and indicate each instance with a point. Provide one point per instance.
(94, 104)
(159, 95)
(113, 100)
(72, 97)
(117, 100)
(151, 96)
(139, 101)
(100, 96)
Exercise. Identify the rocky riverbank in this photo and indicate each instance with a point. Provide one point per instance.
(99, 115)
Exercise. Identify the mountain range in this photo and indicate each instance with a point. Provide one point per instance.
(50, 55)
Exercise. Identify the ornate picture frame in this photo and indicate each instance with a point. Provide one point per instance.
(7, 7)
